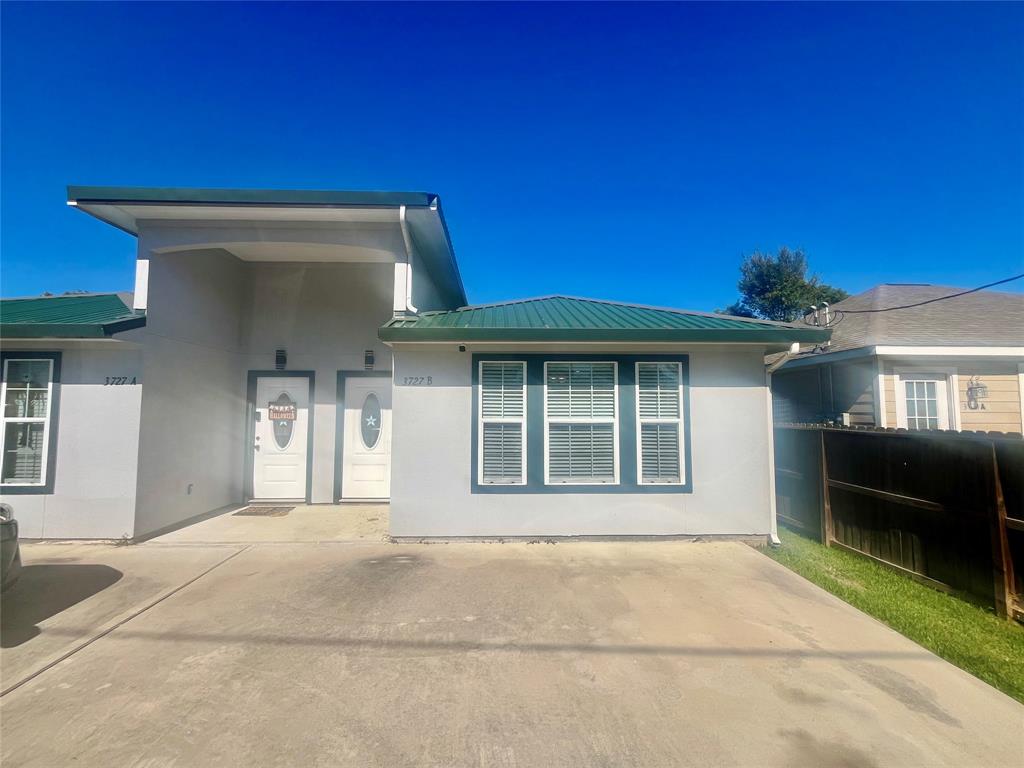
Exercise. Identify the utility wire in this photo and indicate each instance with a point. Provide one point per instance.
(932, 301)
(841, 313)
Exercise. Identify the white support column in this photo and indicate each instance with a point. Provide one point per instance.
(401, 304)
(141, 296)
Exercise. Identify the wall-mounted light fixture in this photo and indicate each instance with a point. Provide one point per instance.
(368, 360)
(280, 359)
(976, 392)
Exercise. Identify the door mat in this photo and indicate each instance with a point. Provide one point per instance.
(263, 511)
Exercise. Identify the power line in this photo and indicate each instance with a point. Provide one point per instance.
(841, 313)
(932, 301)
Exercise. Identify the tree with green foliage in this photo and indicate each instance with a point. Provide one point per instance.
(776, 287)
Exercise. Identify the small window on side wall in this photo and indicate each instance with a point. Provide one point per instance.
(24, 440)
(922, 400)
(502, 418)
(659, 405)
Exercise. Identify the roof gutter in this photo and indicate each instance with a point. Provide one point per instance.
(70, 330)
(464, 335)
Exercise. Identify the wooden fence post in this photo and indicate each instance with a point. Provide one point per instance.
(826, 504)
(1002, 561)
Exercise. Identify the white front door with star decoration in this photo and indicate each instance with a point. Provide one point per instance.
(366, 449)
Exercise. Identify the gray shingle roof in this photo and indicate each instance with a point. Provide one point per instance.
(982, 319)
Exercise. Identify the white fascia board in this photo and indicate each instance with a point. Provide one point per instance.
(949, 351)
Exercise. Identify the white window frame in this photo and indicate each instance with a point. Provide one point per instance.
(640, 423)
(480, 420)
(950, 381)
(614, 421)
(44, 420)
(1020, 392)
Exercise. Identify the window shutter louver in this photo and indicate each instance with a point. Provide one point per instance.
(503, 453)
(659, 413)
(580, 409)
(659, 447)
(503, 422)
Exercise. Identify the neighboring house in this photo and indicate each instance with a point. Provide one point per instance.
(316, 347)
(955, 364)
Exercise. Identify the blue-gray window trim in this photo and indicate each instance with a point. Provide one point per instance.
(628, 470)
(51, 448)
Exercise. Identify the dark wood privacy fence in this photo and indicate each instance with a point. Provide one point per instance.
(946, 508)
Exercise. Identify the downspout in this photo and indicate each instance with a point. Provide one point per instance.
(773, 522)
(407, 239)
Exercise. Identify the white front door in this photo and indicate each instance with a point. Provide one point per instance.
(280, 438)
(366, 452)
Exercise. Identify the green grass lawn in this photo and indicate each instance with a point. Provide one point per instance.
(973, 638)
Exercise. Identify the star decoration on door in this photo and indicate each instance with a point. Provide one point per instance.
(371, 421)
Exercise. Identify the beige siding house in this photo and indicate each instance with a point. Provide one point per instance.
(950, 363)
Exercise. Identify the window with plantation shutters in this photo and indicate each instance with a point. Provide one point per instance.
(580, 422)
(502, 433)
(25, 435)
(659, 423)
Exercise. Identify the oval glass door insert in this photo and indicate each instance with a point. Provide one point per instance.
(369, 421)
(283, 413)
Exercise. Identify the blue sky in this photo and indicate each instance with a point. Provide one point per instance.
(632, 152)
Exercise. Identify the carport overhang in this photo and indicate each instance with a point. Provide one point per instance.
(127, 207)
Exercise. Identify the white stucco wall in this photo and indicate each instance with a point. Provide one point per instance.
(431, 489)
(97, 431)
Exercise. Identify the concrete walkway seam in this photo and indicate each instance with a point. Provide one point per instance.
(33, 675)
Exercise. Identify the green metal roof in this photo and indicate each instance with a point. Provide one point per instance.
(565, 318)
(94, 316)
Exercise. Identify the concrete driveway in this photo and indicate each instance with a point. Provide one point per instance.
(647, 654)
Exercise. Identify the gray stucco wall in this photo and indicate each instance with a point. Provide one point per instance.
(425, 296)
(97, 445)
(431, 463)
(326, 316)
(193, 405)
(213, 317)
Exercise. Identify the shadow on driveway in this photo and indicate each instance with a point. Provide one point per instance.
(44, 591)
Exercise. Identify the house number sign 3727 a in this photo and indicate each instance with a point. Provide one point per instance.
(115, 381)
